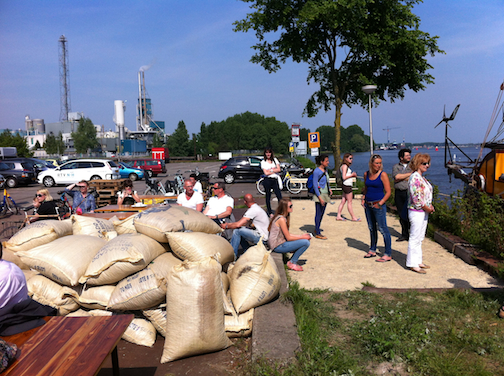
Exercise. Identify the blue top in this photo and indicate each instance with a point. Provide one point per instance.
(319, 184)
(86, 204)
(374, 188)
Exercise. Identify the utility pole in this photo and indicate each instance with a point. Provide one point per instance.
(64, 79)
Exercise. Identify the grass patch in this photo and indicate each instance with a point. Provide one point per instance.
(361, 333)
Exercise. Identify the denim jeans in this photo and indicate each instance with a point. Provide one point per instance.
(269, 184)
(243, 236)
(296, 246)
(319, 213)
(377, 221)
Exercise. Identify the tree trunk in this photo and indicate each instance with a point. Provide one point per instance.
(337, 133)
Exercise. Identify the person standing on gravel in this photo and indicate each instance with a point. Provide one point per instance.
(375, 194)
(322, 192)
(419, 208)
(271, 168)
(401, 173)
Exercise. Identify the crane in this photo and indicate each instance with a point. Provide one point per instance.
(388, 133)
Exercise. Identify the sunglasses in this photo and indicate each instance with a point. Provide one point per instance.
(290, 206)
(426, 164)
(39, 195)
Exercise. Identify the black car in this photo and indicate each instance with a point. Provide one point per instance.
(18, 171)
(244, 168)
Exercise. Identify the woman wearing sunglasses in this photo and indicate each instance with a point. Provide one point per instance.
(44, 205)
(280, 240)
(375, 194)
(419, 208)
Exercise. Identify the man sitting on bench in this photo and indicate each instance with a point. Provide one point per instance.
(219, 206)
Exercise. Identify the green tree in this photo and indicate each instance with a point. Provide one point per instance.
(303, 134)
(326, 137)
(346, 44)
(178, 142)
(85, 137)
(50, 144)
(7, 139)
(157, 141)
(37, 145)
(60, 144)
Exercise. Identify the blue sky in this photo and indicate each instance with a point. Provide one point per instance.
(200, 69)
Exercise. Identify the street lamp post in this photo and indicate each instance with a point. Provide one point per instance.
(370, 89)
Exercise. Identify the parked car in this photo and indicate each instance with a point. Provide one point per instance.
(18, 171)
(80, 169)
(42, 165)
(2, 181)
(244, 168)
(152, 167)
(54, 162)
(127, 171)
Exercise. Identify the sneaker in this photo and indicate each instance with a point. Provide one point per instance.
(320, 236)
(294, 267)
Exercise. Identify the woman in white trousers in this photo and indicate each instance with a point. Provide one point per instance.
(419, 208)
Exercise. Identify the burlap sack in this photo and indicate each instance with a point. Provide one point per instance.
(38, 233)
(125, 226)
(254, 279)
(140, 332)
(95, 297)
(47, 292)
(83, 313)
(98, 227)
(64, 260)
(30, 273)
(194, 311)
(155, 222)
(196, 246)
(146, 288)
(120, 258)
(9, 255)
(239, 325)
(157, 316)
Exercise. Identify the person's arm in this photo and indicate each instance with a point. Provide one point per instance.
(267, 170)
(344, 170)
(120, 198)
(92, 204)
(199, 207)
(242, 222)
(386, 185)
(206, 209)
(277, 167)
(364, 190)
(399, 176)
(136, 197)
(288, 236)
(317, 175)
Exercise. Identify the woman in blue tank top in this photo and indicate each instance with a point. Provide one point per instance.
(375, 194)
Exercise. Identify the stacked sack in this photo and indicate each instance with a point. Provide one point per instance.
(165, 264)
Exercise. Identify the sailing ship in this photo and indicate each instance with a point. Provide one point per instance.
(483, 173)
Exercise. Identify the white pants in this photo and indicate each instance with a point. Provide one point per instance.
(418, 226)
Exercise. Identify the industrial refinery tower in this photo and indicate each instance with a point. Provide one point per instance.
(145, 122)
(64, 79)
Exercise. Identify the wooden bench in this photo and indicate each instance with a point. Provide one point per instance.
(332, 184)
(68, 346)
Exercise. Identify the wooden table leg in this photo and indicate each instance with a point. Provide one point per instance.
(115, 362)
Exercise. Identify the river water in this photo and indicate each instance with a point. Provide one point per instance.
(437, 173)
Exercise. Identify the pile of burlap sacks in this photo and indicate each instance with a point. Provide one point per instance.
(167, 265)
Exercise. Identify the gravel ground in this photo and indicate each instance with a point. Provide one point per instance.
(338, 264)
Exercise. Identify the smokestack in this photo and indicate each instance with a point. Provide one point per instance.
(119, 108)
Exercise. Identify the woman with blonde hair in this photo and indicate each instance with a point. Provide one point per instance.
(44, 205)
(281, 240)
(375, 194)
(348, 177)
(419, 208)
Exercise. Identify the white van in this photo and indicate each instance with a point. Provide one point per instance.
(77, 170)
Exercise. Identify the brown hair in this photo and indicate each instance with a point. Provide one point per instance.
(282, 209)
(128, 183)
(269, 150)
(418, 159)
(345, 158)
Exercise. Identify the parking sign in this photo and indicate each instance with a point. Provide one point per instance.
(314, 140)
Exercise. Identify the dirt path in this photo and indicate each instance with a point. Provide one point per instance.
(338, 264)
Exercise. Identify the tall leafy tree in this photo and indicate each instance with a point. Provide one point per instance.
(60, 144)
(178, 142)
(85, 137)
(346, 44)
(7, 139)
(157, 141)
(50, 144)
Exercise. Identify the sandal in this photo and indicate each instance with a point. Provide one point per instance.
(295, 267)
(423, 266)
(418, 270)
(384, 259)
(370, 254)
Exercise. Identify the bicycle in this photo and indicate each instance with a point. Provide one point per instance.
(154, 187)
(293, 188)
(9, 206)
(177, 185)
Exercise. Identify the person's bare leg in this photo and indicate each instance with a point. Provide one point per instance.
(349, 198)
(340, 208)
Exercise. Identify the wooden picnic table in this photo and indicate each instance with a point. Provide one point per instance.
(155, 199)
(124, 208)
(68, 346)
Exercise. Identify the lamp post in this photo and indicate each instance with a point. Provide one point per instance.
(370, 89)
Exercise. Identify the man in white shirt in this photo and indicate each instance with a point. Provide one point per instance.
(196, 183)
(242, 234)
(13, 287)
(190, 198)
(219, 206)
